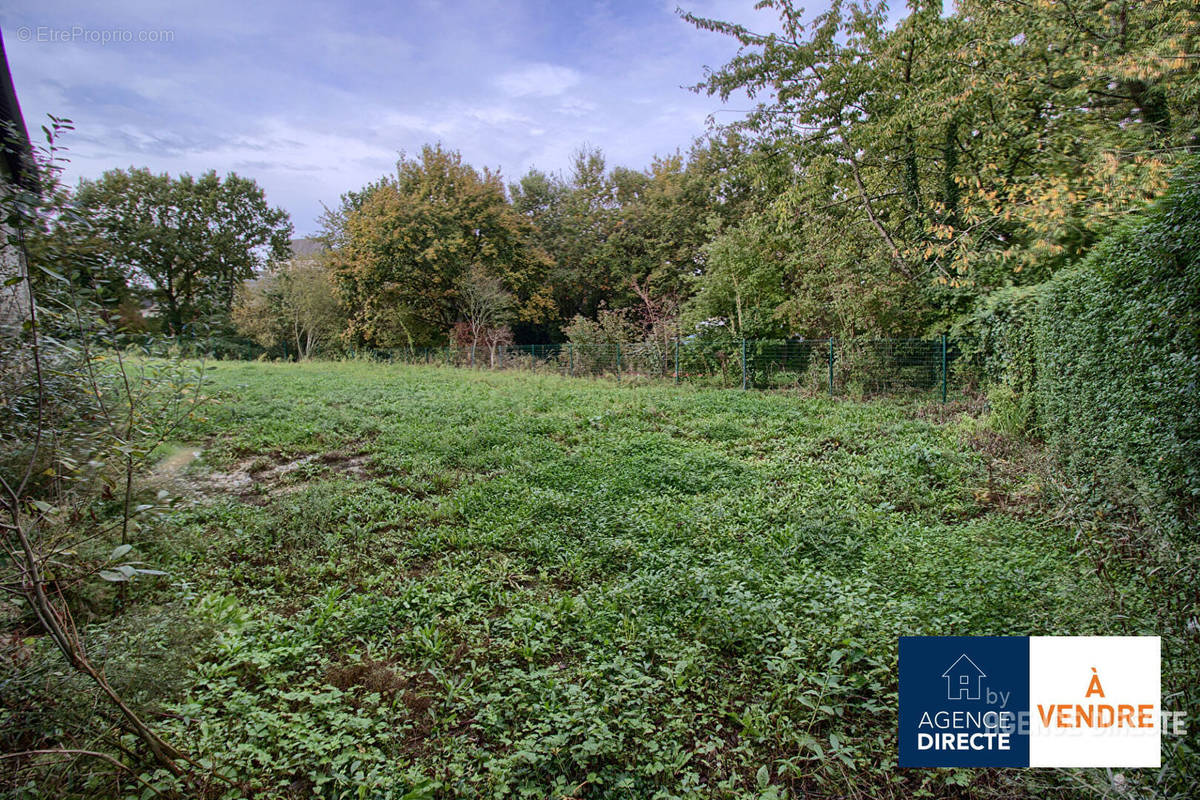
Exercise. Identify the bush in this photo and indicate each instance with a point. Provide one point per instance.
(1117, 348)
(1118, 353)
(996, 349)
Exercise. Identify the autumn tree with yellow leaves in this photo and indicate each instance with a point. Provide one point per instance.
(401, 248)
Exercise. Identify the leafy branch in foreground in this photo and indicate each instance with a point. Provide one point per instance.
(80, 419)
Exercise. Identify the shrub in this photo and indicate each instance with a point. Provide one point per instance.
(996, 353)
(1118, 353)
(1117, 348)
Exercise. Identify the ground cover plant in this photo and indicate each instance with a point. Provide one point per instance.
(401, 581)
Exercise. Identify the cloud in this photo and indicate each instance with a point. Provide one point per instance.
(499, 116)
(575, 107)
(328, 107)
(538, 80)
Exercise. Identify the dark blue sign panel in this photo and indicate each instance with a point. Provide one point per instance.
(964, 701)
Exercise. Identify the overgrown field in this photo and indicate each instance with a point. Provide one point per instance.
(409, 581)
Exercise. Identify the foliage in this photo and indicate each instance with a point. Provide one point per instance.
(1103, 361)
(472, 583)
(80, 419)
(192, 240)
(619, 236)
(998, 354)
(743, 281)
(894, 173)
(406, 247)
(1118, 366)
(955, 153)
(1118, 348)
(573, 221)
(608, 329)
(294, 305)
(595, 343)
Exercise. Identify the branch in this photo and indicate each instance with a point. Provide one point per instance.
(91, 754)
(897, 259)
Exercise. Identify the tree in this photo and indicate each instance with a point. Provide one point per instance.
(662, 229)
(486, 305)
(190, 241)
(619, 237)
(978, 149)
(296, 304)
(404, 250)
(744, 280)
(575, 220)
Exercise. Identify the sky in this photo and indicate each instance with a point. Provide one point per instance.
(314, 99)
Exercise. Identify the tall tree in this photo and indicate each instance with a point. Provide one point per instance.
(744, 280)
(404, 250)
(622, 237)
(587, 276)
(191, 241)
(661, 230)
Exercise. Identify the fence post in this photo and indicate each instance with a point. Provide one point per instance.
(831, 366)
(500, 365)
(943, 368)
(618, 362)
(743, 363)
(677, 359)
(571, 357)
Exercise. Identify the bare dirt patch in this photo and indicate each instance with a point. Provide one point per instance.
(256, 478)
(174, 464)
(371, 676)
(941, 413)
(354, 465)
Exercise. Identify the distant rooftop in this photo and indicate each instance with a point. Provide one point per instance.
(307, 246)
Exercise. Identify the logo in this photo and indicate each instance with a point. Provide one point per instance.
(960, 699)
(1042, 701)
(964, 679)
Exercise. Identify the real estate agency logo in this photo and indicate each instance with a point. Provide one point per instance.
(1038, 701)
(960, 701)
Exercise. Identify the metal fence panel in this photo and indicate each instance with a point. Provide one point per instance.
(850, 367)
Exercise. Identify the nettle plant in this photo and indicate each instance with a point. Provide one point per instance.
(81, 412)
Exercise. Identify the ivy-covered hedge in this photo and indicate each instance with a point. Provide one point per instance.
(1117, 348)
(997, 353)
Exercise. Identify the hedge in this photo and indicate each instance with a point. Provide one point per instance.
(1117, 349)
(1103, 362)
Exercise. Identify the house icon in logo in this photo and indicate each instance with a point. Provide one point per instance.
(964, 679)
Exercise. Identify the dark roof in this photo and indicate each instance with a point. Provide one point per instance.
(307, 246)
(18, 156)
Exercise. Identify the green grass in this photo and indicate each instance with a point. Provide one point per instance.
(449, 583)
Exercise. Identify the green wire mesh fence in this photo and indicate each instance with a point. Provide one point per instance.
(854, 367)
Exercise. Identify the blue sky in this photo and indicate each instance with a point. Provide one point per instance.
(312, 99)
